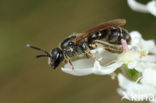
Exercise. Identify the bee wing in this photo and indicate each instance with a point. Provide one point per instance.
(105, 25)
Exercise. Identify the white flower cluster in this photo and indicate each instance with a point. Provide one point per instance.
(139, 65)
(150, 7)
(144, 87)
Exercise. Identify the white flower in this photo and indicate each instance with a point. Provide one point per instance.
(149, 77)
(148, 8)
(140, 43)
(154, 101)
(151, 6)
(142, 59)
(136, 58)
(134, 91)
(133, 59)
(90, 66)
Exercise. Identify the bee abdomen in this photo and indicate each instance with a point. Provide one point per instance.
(104, 34)
(94, 36)
(113, 36)
(110, 36)
(98, 36)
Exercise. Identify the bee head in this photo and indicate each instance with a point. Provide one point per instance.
(55, 58)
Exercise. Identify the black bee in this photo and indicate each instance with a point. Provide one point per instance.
(108, 35)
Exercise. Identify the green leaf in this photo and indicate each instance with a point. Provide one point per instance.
(133, 74)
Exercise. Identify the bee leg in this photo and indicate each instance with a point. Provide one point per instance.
(67, 59)
(71, 64)
(113, 50)
(109, 47)
(106, 44)
(88, 53)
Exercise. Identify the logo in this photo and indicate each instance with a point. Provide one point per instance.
(137, 97)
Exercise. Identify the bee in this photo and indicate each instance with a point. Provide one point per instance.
(109, 35)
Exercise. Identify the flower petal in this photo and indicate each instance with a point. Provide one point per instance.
(149, 77)
(103, 70)
(85, 67)
(147, 45)
(135, 90)
(139, 43)
(136, 6)
(151, 6)
(136, 38)
(81, 67)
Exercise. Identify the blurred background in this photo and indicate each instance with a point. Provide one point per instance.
(45, 23)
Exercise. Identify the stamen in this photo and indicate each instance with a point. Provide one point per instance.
(125, 46)
(143, 53)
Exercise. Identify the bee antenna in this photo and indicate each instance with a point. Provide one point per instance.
(38, 56)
